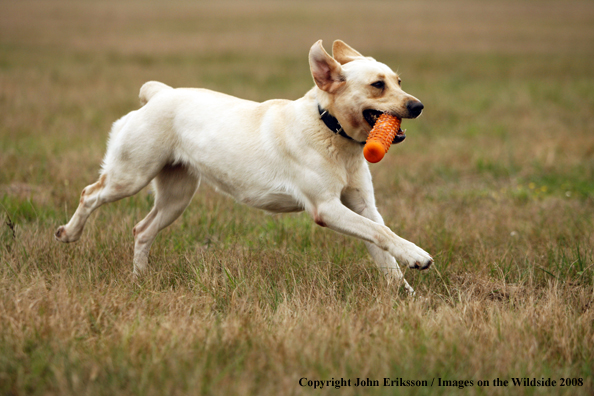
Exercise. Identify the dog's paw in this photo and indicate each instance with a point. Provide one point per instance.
(62, 235)
(415, 257)
(422, 265)
(394, 275)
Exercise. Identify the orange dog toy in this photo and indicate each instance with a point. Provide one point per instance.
(381, 137)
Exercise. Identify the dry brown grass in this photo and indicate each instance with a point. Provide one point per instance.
(496, 180)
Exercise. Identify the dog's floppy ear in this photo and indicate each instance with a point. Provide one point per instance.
(343, 53)
(326, 71)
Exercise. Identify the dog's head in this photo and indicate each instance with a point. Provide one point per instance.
(357, 89)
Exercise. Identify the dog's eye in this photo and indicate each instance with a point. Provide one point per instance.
(399, 82)
(379, 84)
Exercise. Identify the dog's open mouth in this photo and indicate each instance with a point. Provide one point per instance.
(371, 117)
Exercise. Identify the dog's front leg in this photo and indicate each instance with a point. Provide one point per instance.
(336, 216)
(365, 206)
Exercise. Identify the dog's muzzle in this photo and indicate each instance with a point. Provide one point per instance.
(414, 108)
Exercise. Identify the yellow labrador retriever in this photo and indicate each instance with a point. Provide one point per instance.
(279, 155)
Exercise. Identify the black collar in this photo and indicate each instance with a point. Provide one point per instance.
(333, 124)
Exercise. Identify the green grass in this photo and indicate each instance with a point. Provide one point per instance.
(495, 180)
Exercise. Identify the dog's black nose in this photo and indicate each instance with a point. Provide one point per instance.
(414, 108)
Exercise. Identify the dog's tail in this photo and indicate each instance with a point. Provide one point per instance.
(149, 89)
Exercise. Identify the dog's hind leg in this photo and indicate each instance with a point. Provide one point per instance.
(174, 188)
(125, 172)
(111, 187)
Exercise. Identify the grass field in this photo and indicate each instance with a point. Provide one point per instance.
(495, 180)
